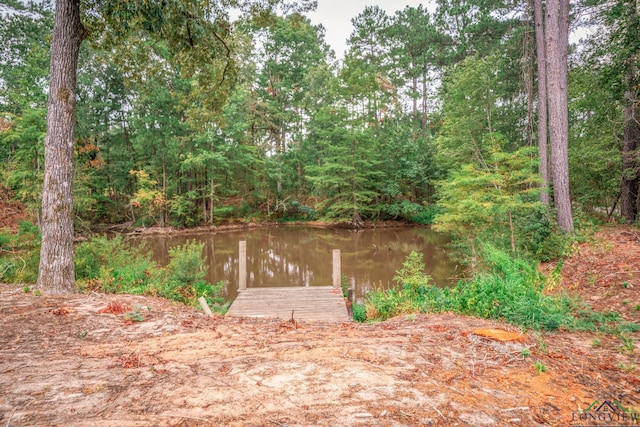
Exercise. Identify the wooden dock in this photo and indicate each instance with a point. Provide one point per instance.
(307, 303)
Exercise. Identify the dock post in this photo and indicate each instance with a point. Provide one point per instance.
(336, 268)
(242, 265)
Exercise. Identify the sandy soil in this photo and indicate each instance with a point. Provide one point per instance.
(123, 360)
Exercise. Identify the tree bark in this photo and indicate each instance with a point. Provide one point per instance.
(557, 44)
(630, 182)
(541, 55)
(56, 273)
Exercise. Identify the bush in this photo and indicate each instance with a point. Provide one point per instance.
(508, 288)
(359, 313)
(112, 266)
(184, 277)
(511, 289)
(425, 215)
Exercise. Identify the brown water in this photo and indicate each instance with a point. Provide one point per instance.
(302, 256)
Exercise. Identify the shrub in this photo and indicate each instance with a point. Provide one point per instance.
(359, 313)
(425, 215)
(112, 266)
(508, 288)
(184, 277)
(412, 271)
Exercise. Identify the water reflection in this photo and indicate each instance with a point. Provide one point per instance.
(302, 256)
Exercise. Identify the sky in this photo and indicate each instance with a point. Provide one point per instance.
(336, 15)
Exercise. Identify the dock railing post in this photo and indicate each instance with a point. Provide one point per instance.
(336, 268)
(242, 265)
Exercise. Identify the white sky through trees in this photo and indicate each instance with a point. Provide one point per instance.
(336, 15)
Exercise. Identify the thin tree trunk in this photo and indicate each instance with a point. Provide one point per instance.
(424, 102)
(414, 85)
(513, 234)
(541, 55)
(163, 212)
(56, 273)
(557, 44)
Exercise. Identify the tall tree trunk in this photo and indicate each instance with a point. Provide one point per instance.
(424, 102)
(630, 182)
(414, 86)
(56, 274)
(557, 44)
(541, 55)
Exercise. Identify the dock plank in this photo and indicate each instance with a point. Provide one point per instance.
(307, 303)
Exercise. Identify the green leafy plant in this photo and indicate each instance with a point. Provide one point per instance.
(424, 215)
(344, 285)
(113, 266)
(183, 280)
(628, 343)
(412, 271)
(540, 367)
(359, 312)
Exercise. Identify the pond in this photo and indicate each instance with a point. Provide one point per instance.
(302, 256)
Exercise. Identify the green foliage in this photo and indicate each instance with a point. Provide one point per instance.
(487, 199)
(20, 254)
(383, 305)
(134, 316)
(186, 266)
(111, 265)
(508, 288)
(282, 120)
(425, 215)
(148, 199)
(412, 271)
(540, 367)
(22, 155)
(359, 312)
(295, 211)
(184, 277)
(103, 254)
(406, 210)
(556, 245)
(512, 289)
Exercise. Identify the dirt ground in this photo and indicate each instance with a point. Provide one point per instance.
(123, 360)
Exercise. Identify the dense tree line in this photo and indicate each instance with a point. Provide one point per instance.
(186, 117)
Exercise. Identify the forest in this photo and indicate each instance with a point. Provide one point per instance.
(511, 126)
(481, 118)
